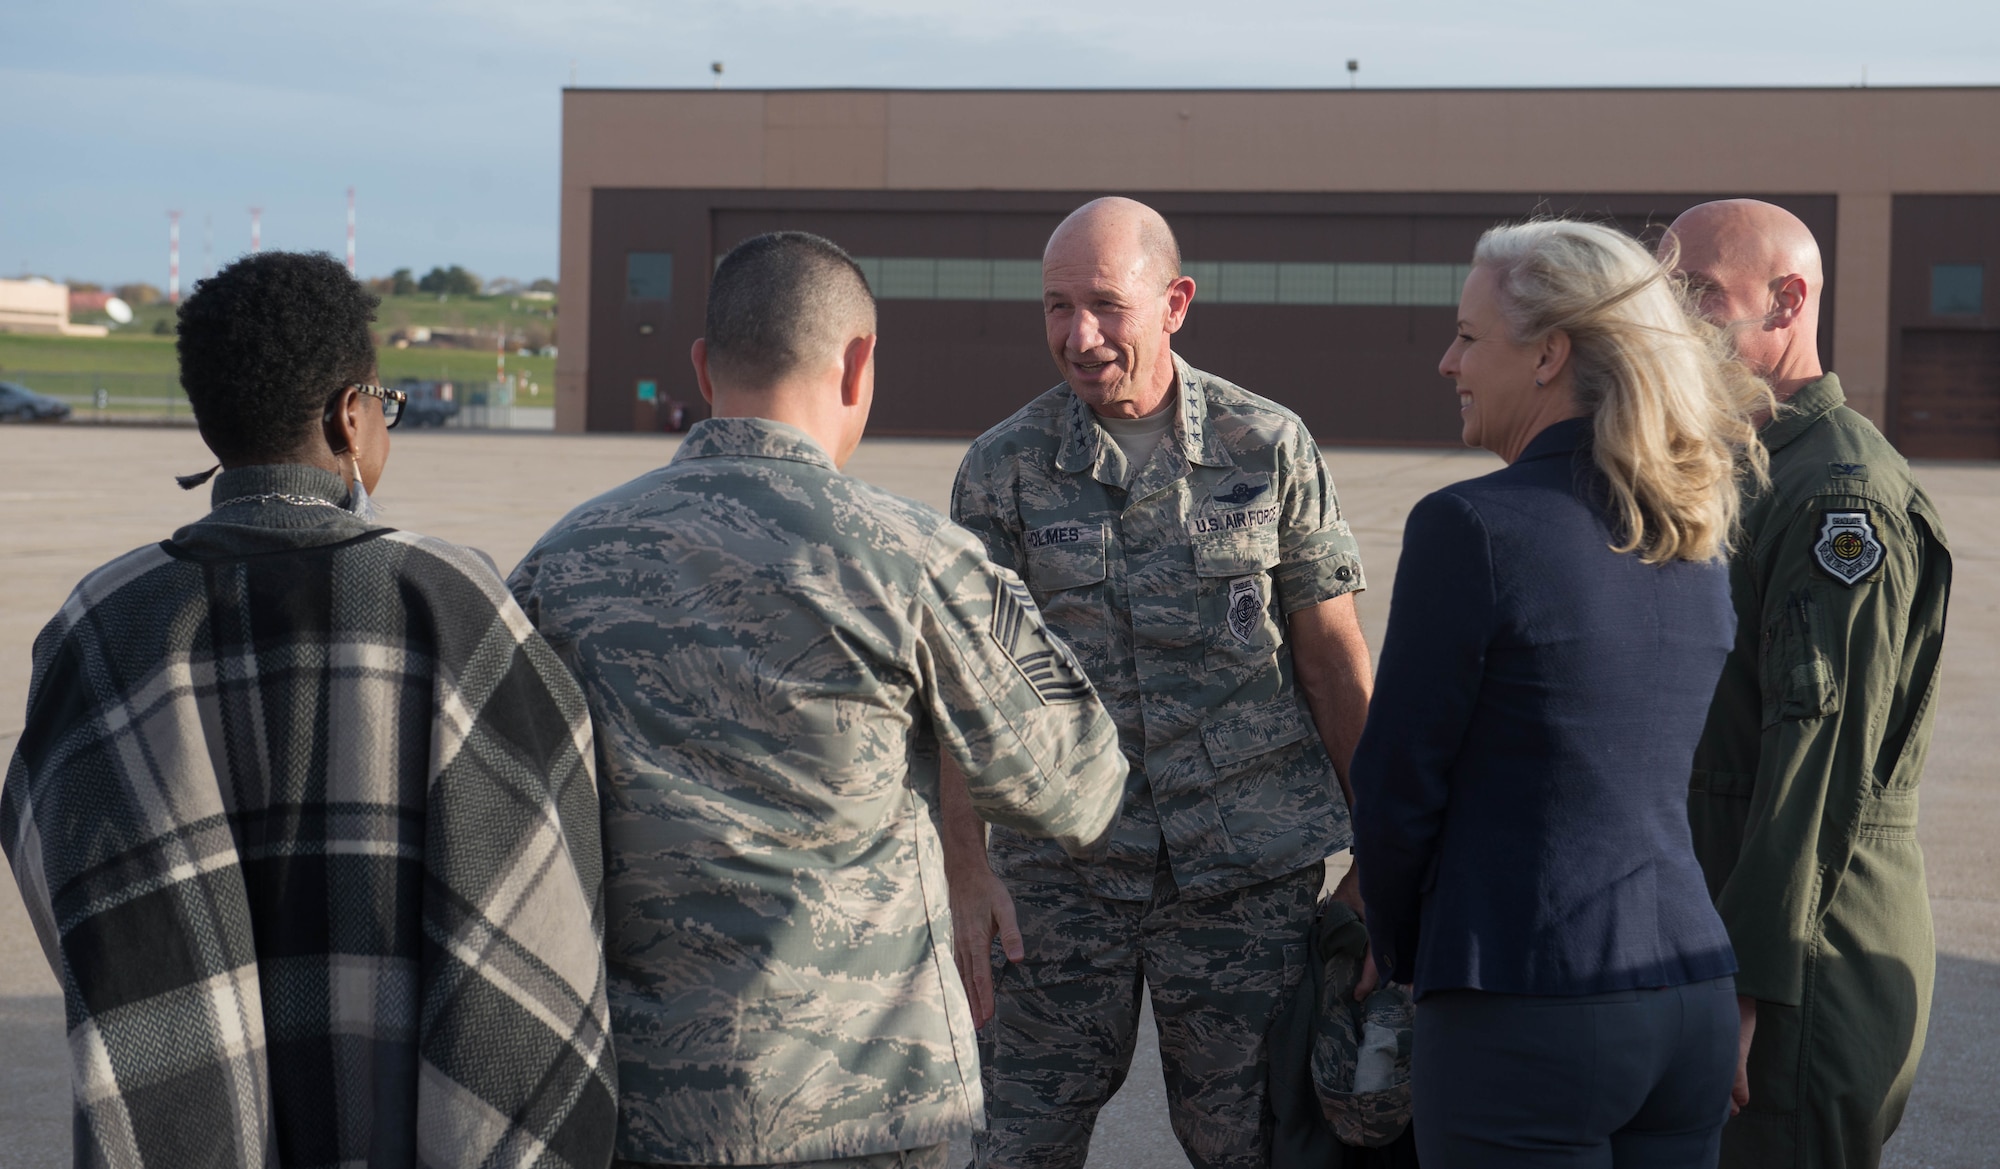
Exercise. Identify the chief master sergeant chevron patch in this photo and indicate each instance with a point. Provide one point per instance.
(1043, 660)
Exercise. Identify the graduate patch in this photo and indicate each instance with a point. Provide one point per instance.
(1246, 608)
(1848, 548)
(1044, 661)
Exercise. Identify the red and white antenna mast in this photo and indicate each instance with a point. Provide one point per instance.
(256, 229)
(350, 231)
(173, 257)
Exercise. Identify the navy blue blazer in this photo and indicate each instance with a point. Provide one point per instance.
(1521, 789)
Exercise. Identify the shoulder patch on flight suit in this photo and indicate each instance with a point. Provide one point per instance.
(1045, 662)
(1848, 470)
(1848, 548)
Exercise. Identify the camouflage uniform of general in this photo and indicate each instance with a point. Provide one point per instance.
(1171, 583)
(1804, 800)
(774, 654)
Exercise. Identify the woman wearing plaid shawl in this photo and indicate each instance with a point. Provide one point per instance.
(304, 811)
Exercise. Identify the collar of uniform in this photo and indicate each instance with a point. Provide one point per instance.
(1814, 401)
(751, 438)
(1083, 441)
(1197, 438)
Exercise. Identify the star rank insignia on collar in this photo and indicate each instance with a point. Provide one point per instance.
(1848, 549)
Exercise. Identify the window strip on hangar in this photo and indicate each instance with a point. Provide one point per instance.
(1216, 282)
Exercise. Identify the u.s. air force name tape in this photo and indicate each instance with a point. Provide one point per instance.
(1045, 662)
(1848, 548)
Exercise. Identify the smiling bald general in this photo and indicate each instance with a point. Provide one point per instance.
(1182, 536)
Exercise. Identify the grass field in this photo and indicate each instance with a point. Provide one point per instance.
(528, 322)
(129, 358)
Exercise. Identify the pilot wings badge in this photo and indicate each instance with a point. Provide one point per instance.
(1242, 493)
(1848, 548)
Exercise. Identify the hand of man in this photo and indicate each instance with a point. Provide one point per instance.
(1746, 1024)
(980, 908)
(1348, 893)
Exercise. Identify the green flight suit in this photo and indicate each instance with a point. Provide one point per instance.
(1804, 794)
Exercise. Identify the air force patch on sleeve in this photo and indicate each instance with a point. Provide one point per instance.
(1848, 548)
(1042, 659)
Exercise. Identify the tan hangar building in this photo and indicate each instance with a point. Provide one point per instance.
(1327, 231)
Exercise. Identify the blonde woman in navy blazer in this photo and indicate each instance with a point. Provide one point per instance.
(1554, 640)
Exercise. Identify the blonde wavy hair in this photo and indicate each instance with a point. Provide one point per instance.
(1673, 412)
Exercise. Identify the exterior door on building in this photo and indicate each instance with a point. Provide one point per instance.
(1948, 397)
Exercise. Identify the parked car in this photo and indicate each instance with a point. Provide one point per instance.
(430, 402)
(20, 404)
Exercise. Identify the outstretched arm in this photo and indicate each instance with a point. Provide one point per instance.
(980, 906)
(1330, 663)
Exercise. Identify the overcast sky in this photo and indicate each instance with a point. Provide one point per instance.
(444, 113)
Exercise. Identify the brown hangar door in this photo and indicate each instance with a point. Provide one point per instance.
(1948, 397)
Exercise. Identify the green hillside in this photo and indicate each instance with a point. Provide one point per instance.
(139, 371)
(529, 322)
(136, 356)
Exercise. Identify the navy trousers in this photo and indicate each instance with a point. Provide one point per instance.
(1635, 1079)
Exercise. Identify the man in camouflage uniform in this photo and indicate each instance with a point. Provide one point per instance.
(1183, 537)
(1804, 795)
(775, 657)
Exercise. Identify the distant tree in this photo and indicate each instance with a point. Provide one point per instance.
(138, 295)
(452, 281)
(543, 285)
(402, 283)
(84, 286)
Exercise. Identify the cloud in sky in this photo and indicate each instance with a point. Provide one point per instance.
(444, 113)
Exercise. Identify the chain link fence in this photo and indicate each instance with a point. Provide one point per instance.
(157, 398)
(111, 397)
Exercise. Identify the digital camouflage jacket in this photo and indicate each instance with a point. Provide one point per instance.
(1171, 582)
(773, 654)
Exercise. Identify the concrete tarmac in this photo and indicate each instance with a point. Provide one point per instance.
(74, 497)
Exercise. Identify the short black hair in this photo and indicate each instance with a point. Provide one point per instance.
(777, 300)
(265, 344)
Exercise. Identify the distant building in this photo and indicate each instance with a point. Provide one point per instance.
(1328, 231)
(39, 306)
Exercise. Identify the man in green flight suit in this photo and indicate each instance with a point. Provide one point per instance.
(1804, 794)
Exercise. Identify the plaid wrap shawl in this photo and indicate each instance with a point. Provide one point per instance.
(305, 818)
